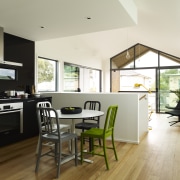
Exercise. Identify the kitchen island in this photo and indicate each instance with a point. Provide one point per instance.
(132, 116)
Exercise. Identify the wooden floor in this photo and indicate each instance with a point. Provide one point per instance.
(157, 157)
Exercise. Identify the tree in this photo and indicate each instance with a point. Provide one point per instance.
(164, 78)
(45, 71)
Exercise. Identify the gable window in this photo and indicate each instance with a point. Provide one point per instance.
(156, 72)
(47, 74)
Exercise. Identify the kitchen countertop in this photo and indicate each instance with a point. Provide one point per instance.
(14, 99)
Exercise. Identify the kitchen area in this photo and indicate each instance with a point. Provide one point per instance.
(17, 92)
(18, 119)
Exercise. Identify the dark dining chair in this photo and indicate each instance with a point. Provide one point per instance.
(52, 133)
(93, 122)
(107, 131)
(174, 111)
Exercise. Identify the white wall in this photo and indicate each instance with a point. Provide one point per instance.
(69, 50)
(92, 50)
(132, 116)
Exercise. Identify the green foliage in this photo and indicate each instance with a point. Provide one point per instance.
(71, 71)
(45, 71)
(164, 78)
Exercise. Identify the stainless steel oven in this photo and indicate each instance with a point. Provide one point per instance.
(11, 118)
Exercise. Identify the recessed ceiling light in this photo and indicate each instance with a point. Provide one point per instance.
(88, 17)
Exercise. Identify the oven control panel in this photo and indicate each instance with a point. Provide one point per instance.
(11, 106)
(7, 107)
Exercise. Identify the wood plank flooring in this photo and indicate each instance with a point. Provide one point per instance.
(157, 157)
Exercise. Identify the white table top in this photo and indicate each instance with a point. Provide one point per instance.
(84, 114)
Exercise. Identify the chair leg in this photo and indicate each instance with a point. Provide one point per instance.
(90, 144)
(82, 143)
(114, 148)
(105, 155)
(38, 155)
(92, 150)
(173, 122)
(76, 151)
(58, 156)
(38, 144)
(70, 142)
(99, 142)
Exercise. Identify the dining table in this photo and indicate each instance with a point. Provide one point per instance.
(86, 113)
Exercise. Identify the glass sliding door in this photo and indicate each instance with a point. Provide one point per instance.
(124, 81)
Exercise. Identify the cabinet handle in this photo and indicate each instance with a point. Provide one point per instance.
(31, 101)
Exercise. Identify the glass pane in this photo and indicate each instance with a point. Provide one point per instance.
(123, 60)
(150, 59)
(167, 60)
(124, 80)
(47, 74)
(129, 78)
(71, 78)
(169, 81)
(91, 80)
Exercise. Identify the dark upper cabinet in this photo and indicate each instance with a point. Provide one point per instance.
(17, 49)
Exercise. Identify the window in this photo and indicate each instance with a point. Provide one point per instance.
(91, 80)
(71, 78)
(79, 78)
(47, 74)
(155, 70)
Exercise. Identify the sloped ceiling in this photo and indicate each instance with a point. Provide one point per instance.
(110, 30)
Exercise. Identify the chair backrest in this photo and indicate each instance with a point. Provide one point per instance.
(110, 120)
(92, 105)
(44, 104)
(48, 121)
(178, 105)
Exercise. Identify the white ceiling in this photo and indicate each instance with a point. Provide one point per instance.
(61, 18)
(111, 27)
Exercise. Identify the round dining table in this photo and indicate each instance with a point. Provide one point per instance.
(86, 113)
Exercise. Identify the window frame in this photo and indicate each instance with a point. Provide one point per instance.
(81, 77)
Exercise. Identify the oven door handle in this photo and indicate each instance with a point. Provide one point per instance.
(5, 112)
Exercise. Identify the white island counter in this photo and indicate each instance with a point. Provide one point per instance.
(132, 117)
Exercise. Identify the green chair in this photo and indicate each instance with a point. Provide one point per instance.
(103, 134)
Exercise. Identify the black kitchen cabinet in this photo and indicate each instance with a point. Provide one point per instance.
(20, 50)
(30, 118)
(30, 123)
